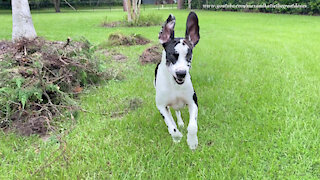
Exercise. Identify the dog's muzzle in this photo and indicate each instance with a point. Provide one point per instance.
(180, 77)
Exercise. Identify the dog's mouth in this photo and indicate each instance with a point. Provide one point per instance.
(179, 80)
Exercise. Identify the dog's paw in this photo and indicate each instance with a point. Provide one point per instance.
(176, 135)
(192, 141)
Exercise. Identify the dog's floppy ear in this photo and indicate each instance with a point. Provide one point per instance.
(192, 31)
(167, 31)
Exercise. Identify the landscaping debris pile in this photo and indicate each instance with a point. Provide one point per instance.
(152, 54)
(117, 39)
(39, 80)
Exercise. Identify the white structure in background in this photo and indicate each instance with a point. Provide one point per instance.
(22, 25)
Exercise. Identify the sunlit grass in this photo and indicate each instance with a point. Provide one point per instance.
(257, 77)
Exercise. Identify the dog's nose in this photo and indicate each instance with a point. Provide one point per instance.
(181, 74)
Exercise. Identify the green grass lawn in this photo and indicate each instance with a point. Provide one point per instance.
(257, 77)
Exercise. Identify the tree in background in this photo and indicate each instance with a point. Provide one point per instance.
(180, 4)
(133, 11)
(189, 4)
(22, 25)
(56, 5)
(125, 5)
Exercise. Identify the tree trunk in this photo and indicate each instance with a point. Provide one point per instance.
(57, 5)
(138, 9)
(125, 5)
(189, 4)
(180, 4)
(22, 25)
(134, 9)
(129, 11)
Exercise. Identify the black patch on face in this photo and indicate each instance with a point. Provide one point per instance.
(195, 99)
(155, 73)
(189, 55)
(171, 54)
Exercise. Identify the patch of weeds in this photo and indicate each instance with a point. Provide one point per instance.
(144, 20)
(40, 80)
(118, 39)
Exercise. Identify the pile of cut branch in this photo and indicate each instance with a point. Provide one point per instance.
(39, 80)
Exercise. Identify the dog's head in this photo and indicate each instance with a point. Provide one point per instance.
(179, 50)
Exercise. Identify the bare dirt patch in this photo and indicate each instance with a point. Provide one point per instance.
(119, 57)
(152, 54)
(115, 56)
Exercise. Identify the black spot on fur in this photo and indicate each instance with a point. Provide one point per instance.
(162, 115)
(155, 74)
(174, 130)
(195, 99)
(189, 55)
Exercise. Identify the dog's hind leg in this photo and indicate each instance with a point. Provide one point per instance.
(173, 130)
(179, 119)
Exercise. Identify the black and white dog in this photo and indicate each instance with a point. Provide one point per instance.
(172, 79)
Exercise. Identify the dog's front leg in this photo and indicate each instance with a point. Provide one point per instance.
(172, 128)
(192, 138)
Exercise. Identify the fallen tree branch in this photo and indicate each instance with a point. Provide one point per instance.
(70, 5)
